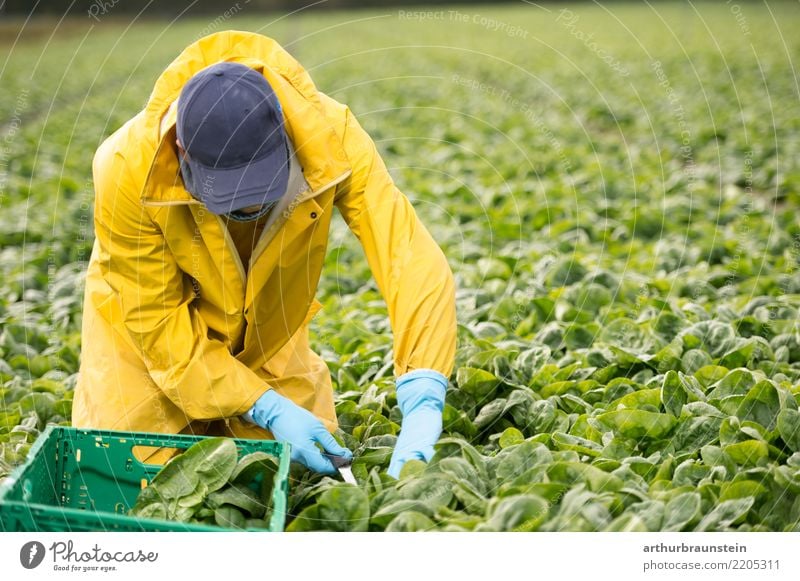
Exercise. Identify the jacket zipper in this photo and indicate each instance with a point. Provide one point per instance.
(232, 249)
(267, 236)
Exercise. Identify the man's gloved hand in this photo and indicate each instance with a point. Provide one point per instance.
(288, 422)
(420, 395)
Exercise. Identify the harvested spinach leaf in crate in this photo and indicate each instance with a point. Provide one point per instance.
(209, 484)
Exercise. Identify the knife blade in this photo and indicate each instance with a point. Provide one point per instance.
(343, 465)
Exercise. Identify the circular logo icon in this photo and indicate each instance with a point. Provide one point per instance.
(31, 554)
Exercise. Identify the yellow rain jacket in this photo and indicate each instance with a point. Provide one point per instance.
(175, 335)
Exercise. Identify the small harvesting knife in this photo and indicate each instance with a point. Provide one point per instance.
(343, 464)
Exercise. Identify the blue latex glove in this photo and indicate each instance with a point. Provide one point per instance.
(420, 395)
(288, 422)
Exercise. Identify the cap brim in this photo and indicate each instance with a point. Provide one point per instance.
(225, 190)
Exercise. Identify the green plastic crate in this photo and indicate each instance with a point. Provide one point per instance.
(87, 480)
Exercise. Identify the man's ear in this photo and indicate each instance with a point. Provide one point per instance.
(181, 150)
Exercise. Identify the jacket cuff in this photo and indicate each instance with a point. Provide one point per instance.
(248, 415)
(426, 373)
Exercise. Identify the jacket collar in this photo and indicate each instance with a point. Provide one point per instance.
(317, 146)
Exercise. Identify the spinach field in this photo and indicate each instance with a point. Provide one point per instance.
(616, 189)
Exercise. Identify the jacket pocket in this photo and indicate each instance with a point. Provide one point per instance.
(294, 350)
(110, 309)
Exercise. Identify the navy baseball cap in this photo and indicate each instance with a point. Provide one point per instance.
(230, 123)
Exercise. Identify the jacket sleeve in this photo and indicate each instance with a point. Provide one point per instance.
(195, 371)
(410, 269)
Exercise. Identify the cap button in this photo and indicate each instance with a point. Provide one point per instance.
(218, 73)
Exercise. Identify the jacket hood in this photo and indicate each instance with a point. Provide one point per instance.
(318, 147)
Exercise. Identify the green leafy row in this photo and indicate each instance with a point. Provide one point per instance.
(604, 443)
